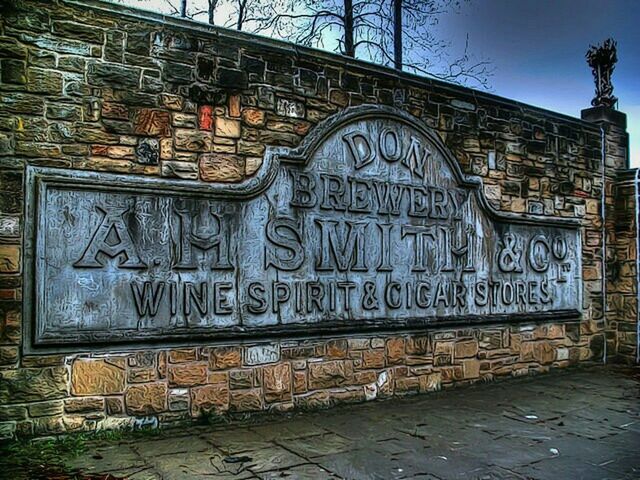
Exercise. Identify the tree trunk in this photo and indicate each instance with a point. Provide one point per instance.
(183, 8)
(349, 49)
(212, 11)
(397, 34)
(241, 6)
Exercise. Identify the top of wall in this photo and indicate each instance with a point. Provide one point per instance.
(279, 46)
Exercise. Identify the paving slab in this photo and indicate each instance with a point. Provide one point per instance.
(572, 424)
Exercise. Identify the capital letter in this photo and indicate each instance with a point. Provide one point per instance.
(112, 239)
(189, 237)
(287, 252)
(360, 149)
(343, 249)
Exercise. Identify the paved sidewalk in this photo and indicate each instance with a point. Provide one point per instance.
(576, 424)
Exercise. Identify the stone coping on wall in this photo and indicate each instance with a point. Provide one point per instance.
(315, 54)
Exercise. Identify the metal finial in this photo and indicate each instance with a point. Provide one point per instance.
(602, 60)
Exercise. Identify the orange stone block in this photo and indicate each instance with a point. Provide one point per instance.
(151, 122)
(277, 382)
(373, 358)
(253, 117)
(336, 348)
(205, 117)
(209, 397)
(395, 350)
(234, 106)
(225, 357)
(187, 375)
(146, 399)
(98, 376)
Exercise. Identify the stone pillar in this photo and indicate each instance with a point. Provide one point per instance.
(620, 233)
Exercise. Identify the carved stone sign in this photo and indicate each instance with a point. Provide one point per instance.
(368, 224)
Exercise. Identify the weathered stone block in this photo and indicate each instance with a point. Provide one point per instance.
(221, 358)
(7, 430)
(112, 75)
(151, 122)
(138, 42)
(94, 135)
(261, 354)
(22, 103)
(245, 400)
(227, 127)
(404, 385)
(239, 379)
(183, 355)
(178, 399)
(336, 349)
(290, 108)
(63, 111)
(192, 141)
(98, 376)
(184, 120)
(374, 358)
(84, 405)
(114, 405)
(276, 382)
(141, 375)
(6, 148)
(46, 409)
(466, 349)
(252, 164)
(172, 102)
(234, 80)
(9, 258)
(13, 71)
(417, 345)
(187, 375)
(147, 151)
(220, 167)
(11, 48)
(329, 374)
(78, 31)
(32, 384)
(12, 412)
(254, 117)
(299, 382)
(209, 397)
(205, 117)
(178, 169)
(235, 108)
(395, 350)
(114, 46)
(146, 399)
(490, 340)
(543, 352)
(177, 73)
(471, 368)
(431, 382)
(8, 355)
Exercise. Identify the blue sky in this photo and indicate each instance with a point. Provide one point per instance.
(537, 49)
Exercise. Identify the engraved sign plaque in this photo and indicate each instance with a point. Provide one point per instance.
(369, 224)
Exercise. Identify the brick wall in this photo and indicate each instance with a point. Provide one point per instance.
(103, 88)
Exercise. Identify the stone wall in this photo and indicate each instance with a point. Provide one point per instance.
(624, 273)
(90, 86)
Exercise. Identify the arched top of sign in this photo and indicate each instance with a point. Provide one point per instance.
(304, 153)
